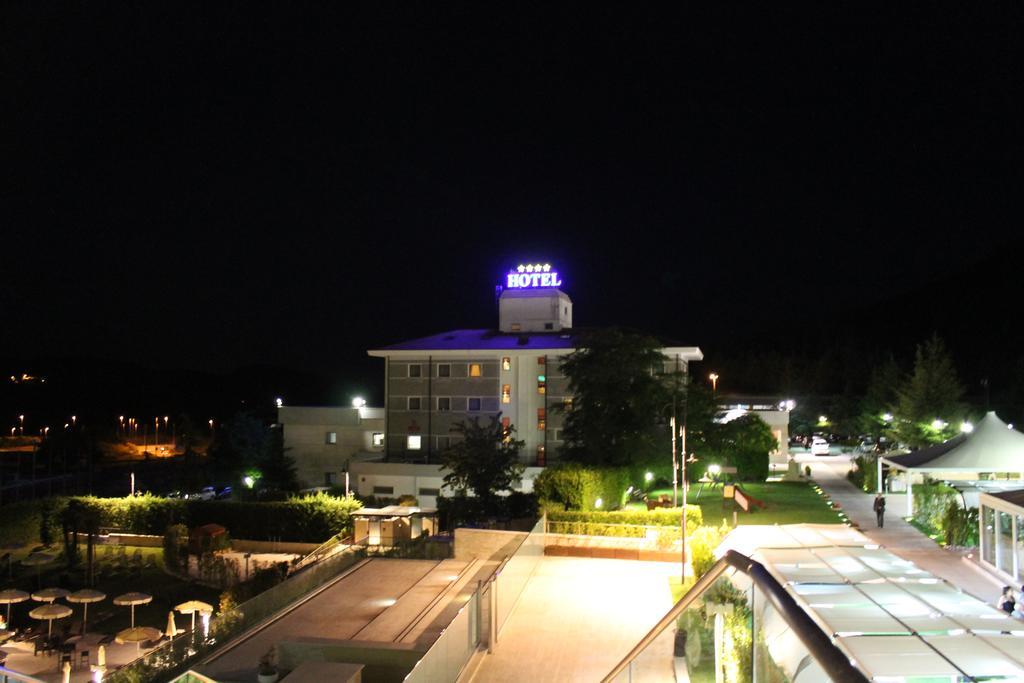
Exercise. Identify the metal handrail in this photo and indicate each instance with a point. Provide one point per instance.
(834, 662)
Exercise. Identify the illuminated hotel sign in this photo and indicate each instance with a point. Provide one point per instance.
(530, 276)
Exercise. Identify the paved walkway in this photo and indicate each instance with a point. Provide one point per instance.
(898, 535)
(578, 617)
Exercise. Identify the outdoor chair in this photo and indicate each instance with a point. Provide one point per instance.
(37, 646)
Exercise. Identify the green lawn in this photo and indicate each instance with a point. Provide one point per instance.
(786, 503)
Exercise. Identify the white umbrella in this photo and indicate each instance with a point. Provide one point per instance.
(138, 635)
(101, 657)
(48, 613)
(172, 628)
(193, 606)
(50, 594)
(9, 597)
(84, 597)
(132, 599)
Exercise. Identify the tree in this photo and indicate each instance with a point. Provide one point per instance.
(931, 393)
(743, 443)
(485, 460)
(620, 397)
(880, 398)
(247, 447)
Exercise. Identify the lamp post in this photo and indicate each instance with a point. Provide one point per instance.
(714, 381)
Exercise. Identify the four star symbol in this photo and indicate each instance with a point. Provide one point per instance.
(534, 268)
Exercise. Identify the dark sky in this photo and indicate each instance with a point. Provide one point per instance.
(213, 185)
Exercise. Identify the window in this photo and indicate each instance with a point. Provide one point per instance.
(542, 383)
(474, 405)
(413, 442)
(549, 326)
(430, 492)
(444, 403)
(567, 403)
(541, 419)
(476, 370)
(444, 442)
(557, 435)
(444, 370)
(516, 327)
(506, 393)
(506, 429)
(330, 478)
(542, 360)
(331, 437)
(414, 403)
(383, 490)
(541, 456)
(415, 370)
(378, 439)
(506, 363)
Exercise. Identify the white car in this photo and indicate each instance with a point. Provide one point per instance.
(819, 446)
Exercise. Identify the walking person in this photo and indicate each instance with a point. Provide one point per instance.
(879, 508)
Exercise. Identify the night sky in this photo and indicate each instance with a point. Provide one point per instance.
(218, 185)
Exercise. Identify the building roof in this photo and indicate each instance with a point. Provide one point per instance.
(991, 447)
(1015, 497)
(893, 618)
(395, 511)
(494, 340)
(485, 340)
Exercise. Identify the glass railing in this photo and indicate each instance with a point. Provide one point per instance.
(479, 621)
(8, 676)
(737, 623)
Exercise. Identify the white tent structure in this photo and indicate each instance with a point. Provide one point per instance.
(993, 446)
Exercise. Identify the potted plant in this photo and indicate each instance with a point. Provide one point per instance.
(267, 672)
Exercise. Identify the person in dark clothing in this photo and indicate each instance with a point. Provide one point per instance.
(880, 510)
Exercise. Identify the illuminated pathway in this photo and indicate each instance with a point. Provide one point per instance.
(898, 536)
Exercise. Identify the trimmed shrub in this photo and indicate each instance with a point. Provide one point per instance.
(701, 547)
(578, 487)
(620, 523)
(176, 548)
(460, 510)
(931, 501)
(864, 473)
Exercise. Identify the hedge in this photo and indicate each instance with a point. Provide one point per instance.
(578, 487)
(621, 522)
(311, 519)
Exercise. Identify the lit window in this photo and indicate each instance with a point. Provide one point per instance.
(415, 370)
(378, 439)
(506, 363)
(542, 360)
(444, 370)
(541, 419)
(475, 370)
(541, 456)
(567, 403)
(541, 384)
(414, 403)
(444, 403)
(516, 327)
(332, 437)
(506, 429)
(506, 393)
(413, 442)
(474, 404)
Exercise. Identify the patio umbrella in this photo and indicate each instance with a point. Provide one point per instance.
(193, 606)
(84, 597)
(9, 597)
(138, 635)
(50, 594)
(101, 657)
(37, 560)
(132, 599)
(48, 613)
(10, 548)
(172, 628)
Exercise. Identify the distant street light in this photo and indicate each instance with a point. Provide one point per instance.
(886, 417)
(938, 424)
(22, 418)
(714, 381)
(73, 419)
(358, 402)
(280, 402)
(966, 428)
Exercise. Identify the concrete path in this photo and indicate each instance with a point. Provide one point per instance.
(578, 617)
(898, 536)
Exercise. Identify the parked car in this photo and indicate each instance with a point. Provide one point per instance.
(819, 446)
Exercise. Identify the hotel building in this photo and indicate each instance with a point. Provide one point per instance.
(433, 383)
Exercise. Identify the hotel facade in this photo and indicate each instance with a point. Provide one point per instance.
(434, 383)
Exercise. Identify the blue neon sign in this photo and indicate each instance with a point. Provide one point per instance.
(533, 276)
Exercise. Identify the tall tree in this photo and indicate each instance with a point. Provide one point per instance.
(621, 396)
(880, 398)
(485, 459)
(929, 401)
(246, 446)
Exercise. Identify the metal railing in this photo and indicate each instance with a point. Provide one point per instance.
(752, 616)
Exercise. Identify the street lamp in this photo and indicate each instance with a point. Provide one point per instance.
(358, 402)
(714, 381)
(22, 418)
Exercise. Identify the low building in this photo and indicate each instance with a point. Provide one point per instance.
(323, 440)
(1001, 534)
(774, 411)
